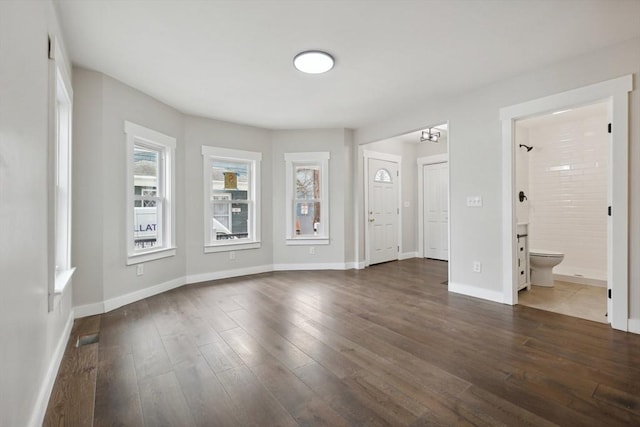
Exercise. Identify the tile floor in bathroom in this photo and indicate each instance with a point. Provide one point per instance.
(584, 301)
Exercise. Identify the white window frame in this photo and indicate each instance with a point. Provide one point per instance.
(59, 165)
(140, 135)
(292, 160)
(253, 196)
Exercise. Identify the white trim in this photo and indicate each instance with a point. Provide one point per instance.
(308, 241)
(167, 144)
(225, 274)
(476, 292)
(88, 310)
(44, 394)
(616, 91)
(231, 154)
(117, 302)
(310, 158)
(63, 278)
(431, 160)
(312, 266)
(368, 154)
(150, 256)
(254, 159)
(60, 164)
(233, 246)
(407, 255)
(634, 325)
(355, 265)
(149, 136)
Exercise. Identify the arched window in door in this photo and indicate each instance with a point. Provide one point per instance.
(382, 175)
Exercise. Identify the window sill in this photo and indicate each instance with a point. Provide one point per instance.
(231, 247)
(150, 256)
(311, 240)
(62, 280)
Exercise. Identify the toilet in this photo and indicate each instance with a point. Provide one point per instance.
(542, 263)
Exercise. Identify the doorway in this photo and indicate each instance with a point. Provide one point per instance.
(382, 204)
(615, 92)
(562, 178)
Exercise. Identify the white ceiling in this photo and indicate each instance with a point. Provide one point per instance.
(232, 60)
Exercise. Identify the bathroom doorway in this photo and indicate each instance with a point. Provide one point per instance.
(615, 93)
(562, 182)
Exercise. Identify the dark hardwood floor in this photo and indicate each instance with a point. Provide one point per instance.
(387, 345)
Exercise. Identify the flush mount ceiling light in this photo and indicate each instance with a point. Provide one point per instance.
(429, 135)
(313, 62)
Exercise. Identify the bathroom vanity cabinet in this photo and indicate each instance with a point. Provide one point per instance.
(524, 280)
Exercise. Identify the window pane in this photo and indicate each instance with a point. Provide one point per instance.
(307, 218)
(145, 223)
(145, 171)
(229, 178)
(382, 175)
(307, 182)
(229, 221)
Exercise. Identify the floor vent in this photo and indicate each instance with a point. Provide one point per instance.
(87, 339)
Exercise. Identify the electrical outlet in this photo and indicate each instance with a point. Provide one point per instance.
(474, 201)
(140, 269)
(312, 250)
(232, 255)
(477, 266)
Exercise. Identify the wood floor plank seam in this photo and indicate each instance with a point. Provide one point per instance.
(388, 345)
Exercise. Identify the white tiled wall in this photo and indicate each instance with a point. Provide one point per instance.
(522, 175)
(568, 193)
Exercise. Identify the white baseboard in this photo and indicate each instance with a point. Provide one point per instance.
(474, 291)
(37, 416)
(634, 326)
(580, 280)
(407, 255)
(358, 265)
(88, 310)
(226, 274)
(117, 302)
(310, 266)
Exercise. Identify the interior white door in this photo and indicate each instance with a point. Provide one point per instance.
(383, 211)
(436, 211)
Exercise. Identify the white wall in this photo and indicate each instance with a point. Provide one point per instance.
(338, 143)
(31, 337)
(568, 177)
(349, 164)
(475, 156)
(199, 132)
(102, 105)
(425, 149)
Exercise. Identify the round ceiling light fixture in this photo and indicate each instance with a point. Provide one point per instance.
(313, 62)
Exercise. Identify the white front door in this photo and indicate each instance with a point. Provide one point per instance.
(383, 211)
(436, 211)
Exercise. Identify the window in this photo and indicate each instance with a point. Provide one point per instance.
(307, 198)
(150, 183)
(60, 172)
(231, 199)
(382, 175)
